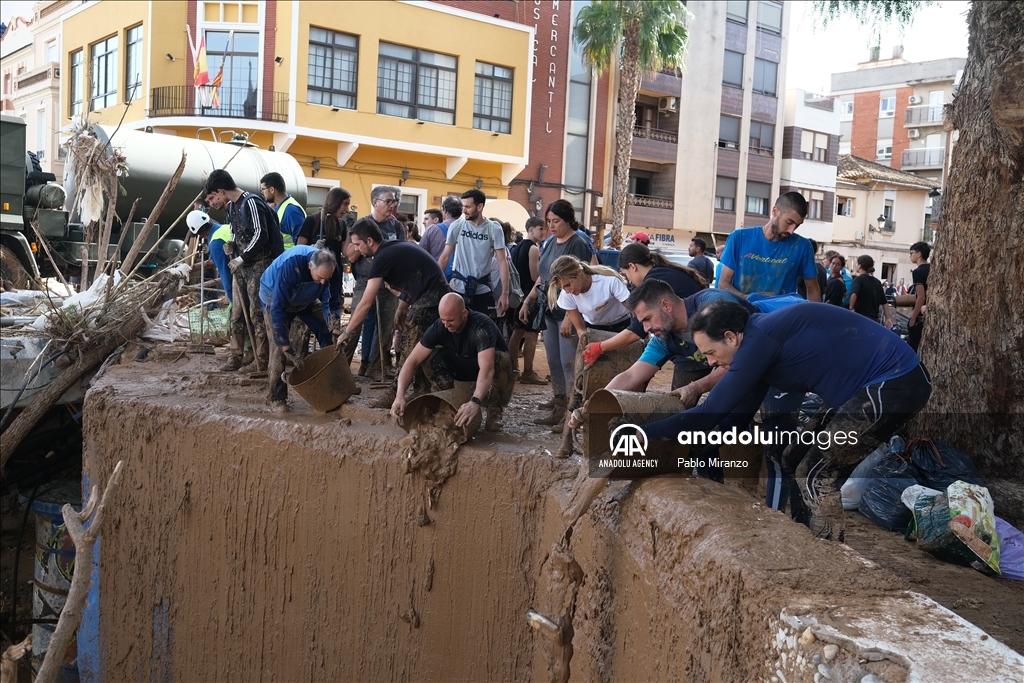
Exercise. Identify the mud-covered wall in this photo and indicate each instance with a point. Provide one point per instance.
(243, 549)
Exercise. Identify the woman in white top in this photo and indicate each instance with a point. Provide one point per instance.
(591, 296)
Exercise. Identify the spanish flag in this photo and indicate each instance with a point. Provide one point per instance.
(201, 75)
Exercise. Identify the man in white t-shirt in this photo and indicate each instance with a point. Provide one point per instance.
(477, 240)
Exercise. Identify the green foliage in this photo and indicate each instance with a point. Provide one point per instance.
(659, 26)
(873, 13)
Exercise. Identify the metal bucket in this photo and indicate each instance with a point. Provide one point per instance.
(421, 409)
(607, 366)
(325, 380)
(634, 407)
(52, 573)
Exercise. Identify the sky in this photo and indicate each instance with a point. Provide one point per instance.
(938, 31)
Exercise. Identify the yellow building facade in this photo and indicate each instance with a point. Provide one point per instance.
(361, 93)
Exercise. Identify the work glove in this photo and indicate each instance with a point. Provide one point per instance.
(229, 248)
(294, 359)
(592, 353)
(234, 264)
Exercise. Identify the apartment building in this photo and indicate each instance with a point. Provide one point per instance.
(729, 111)
(893, 113)
(357, 92)
(810, 153)
(31, 65)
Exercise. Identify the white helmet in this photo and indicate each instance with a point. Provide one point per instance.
(196, 221)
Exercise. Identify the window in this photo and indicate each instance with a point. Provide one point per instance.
(844, 206)
(333, 63)
(42, 131)
(732, 73)
(76, 88)
(769, 17)
(736, 10)
(640, 183)
(103, 92)
(846, 107)
(416, 84)
(762, 137)
(884, 149)
(729, 132)
(492, 98)
(133, 63)
(844, 147)
(51, 51)
(886, 106)
(241, 54)
(821, 147)
(758, 195)
(725, 194)
(815, 204)
(765, 76)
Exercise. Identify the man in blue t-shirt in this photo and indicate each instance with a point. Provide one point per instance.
(872, 381)
(771, 259)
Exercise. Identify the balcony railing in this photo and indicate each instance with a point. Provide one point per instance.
(180, 100)
(923, 158)
(653, 202)
(655, 134)
(923, 114)
(38, 75)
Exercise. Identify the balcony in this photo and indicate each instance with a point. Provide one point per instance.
(240, 103)
(666, 83)
(48, 74)
(929, 157)
(652, 144)
(649, 212)
(924, 115)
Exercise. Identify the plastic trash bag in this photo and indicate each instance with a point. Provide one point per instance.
(939, 464)
(853, 490)
(881, 501)
(1011, 557)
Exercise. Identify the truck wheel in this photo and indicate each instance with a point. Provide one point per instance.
(12, 271)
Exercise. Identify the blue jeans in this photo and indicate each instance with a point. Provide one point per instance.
(369, 338)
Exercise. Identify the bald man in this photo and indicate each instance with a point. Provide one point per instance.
(464, 346)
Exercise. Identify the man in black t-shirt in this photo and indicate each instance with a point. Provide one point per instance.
(919, 253)
(699, 262)
(526, 261)
(463, 346)
(411, 274)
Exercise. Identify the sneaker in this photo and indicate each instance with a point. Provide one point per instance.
(247, 358)
(362, 369)
(279, 407)
(548, 404)
(532, 377)
(232, 364)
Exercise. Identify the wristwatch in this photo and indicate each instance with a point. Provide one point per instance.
(475, 400)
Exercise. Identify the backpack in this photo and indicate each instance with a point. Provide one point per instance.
(515, 294)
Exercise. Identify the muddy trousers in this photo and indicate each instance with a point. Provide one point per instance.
(246, 295)
(313, 318)
(873, 415)
(441, 371)
(779, 413)
(419, 317)
(561, 353)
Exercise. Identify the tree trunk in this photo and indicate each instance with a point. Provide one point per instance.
(974, 332)
(629, 85)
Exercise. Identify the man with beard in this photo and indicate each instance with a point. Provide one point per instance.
(771, 259)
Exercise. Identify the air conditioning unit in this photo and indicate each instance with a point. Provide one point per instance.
(914, 133)
(916, 99)
(667, 104)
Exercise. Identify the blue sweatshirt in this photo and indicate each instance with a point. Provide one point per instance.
(287, 286)
(827, 350)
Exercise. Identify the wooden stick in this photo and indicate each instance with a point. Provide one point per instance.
(151, 220)
(124, 231)
(46, 248)
(85, 541)
(103, 242)
(84, 284)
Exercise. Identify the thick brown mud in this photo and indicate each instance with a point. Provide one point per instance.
(249, 546)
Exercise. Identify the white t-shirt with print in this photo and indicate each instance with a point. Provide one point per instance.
(601, 304)
(474, 249)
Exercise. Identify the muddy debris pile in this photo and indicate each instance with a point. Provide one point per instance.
(430, 450)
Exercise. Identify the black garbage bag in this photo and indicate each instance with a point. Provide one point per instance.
(939, 465)
(881, 500)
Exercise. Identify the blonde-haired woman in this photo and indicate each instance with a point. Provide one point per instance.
(592, 296)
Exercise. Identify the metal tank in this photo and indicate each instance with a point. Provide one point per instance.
(152, 159)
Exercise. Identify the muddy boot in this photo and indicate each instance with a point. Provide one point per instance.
(493, 422)
(279, 407)
(557, 413)
(232, 364)
(363, 367)
(559, 427)
(548, 404)
(531, 377)
(384, 400)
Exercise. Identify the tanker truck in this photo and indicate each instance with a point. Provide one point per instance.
(29, 195)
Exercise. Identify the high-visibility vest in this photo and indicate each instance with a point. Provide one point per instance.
(222, 233)
(288, 241)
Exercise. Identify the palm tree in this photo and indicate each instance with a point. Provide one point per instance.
(647, 36)
(974, 339)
